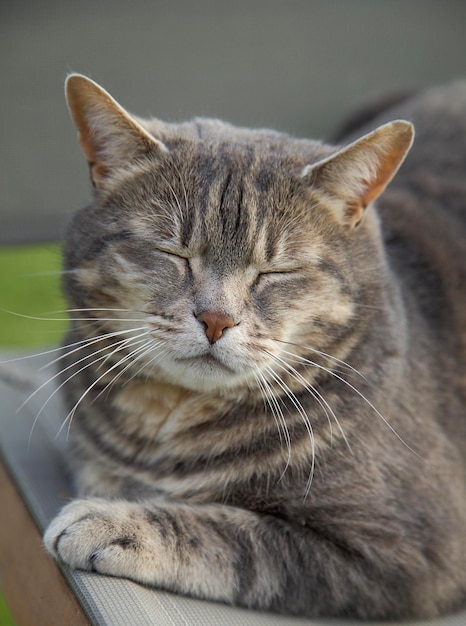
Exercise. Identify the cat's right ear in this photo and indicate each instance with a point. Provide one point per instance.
(109, 137)
(354, 176)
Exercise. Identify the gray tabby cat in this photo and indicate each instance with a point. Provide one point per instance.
(265, 375)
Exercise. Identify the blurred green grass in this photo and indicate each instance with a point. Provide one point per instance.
(5, 616)
(30, 287)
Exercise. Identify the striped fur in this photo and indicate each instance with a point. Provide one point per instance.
(310, 460)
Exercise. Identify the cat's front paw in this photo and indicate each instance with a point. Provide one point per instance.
(103, 536)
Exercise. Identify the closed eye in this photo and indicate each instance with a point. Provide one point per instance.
(280, 271)
(173, 253)
(269, 277)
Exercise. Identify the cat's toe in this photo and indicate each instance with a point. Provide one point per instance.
(96, 535)
(71, 536)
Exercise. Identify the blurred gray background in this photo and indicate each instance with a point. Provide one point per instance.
(295, 65)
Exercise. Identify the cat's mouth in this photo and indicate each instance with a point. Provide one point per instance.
(204, 373)
(207, 363)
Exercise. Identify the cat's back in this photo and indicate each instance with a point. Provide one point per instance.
(423, 210)
(423, 216)
(434, 170)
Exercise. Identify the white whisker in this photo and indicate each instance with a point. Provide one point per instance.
(48, 273)
(361, 395)
(300, 409)
(325, 355)
(270, 400)
(88, 356)
(175, 197)
(183, 186)
(329, 412)
(147, 348)
(153, 360)
(85, 343)
(81, 342)
(71, 414)
(63, 383)
(32, 356)
(59, 387)
(71, 319)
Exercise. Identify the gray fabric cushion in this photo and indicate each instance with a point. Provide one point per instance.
(36, 457)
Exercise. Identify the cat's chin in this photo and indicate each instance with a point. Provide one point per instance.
(204, 374)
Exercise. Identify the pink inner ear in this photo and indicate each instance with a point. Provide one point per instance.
(373, 192)
(87, 142)
(388, 164)
(87, 147)
(384, 174)
(354, 213)
(373, 188)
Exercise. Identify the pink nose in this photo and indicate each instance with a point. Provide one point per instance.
(215, 324)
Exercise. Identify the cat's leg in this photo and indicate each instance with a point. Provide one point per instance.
(223, 553)
(208, 551)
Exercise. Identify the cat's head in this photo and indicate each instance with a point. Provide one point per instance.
(218, 256)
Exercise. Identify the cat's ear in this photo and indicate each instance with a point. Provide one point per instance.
(109, 137)
(359, 172)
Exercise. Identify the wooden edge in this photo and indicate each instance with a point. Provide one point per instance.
(33, 586)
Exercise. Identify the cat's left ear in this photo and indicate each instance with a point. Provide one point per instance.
(358, 173)
(109, 136)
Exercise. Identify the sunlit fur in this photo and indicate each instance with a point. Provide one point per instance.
(311, 460)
